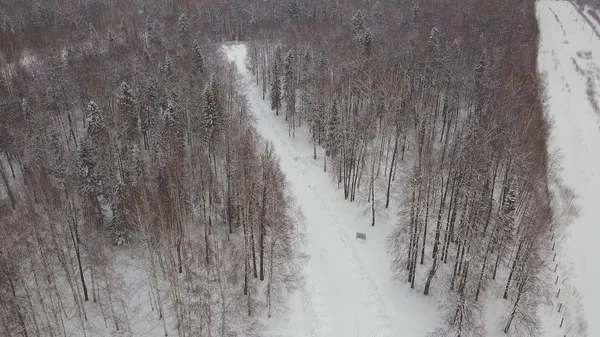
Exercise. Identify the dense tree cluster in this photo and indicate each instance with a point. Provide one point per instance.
(444, 97)
(121, 125)
(127, 131)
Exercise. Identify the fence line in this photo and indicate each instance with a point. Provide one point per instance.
(589, 22)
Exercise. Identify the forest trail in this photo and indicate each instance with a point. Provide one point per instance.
(568, 55)
(342, 297)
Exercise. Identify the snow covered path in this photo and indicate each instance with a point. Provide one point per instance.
(349, 289)
(569, 57)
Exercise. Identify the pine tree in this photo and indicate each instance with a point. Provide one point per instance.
(214, 87)
(289, 92)
(168, 70)
(358, 23)
(416, 12)
(434, 39)
(211, 108)
(198, 58)
(127, 108)
(148, 113)
(94, 151)
(367, 42)
(294, 9)
(88, 160)
(276, 87)
(480, 67)
(96, 126)
(174, 118)
(183, 26)
(150, 31)
(118, 223)
(377, 11)
(480, 75)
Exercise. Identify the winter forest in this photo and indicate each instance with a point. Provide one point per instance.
(140, 195)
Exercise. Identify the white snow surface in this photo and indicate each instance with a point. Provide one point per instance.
(349, 288)
(567, 62)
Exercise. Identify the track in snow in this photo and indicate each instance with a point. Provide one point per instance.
(340, 297)
(569, 55)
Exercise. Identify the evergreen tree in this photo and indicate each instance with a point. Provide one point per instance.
(127, 108)
(294, 9)
(276, 87)
(168, 70)
(416, 12)
(289, 84)
(480, 67)
(214, 87)
(150, 31)
(118, 223)
(183, 26)
(211, 109)
(358, 23)
(480, 75)
(94, 153)
(367, 42)
(96, 126)
(88, 160)
(174, 117)
(377, 11)
(148, 112)
(434, 39)
(198, 58)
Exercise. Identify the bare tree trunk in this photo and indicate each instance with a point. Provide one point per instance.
(7, 187)
(263, 229)
(512, 269)
(20, 317)
(75, 240)
(110, 301)
(392, 165)
(436, 242)
(426, 221)
(520, 291)
(254, 271)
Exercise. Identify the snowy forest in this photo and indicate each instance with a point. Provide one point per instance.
(139, 199)
(456, 103)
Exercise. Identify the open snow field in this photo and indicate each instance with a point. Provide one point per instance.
(568, 62)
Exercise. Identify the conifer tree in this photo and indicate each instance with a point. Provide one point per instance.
(198, 58)
(367, 42)
(377, 11)
(127, 108)
(183, 26)
(211, 109)
(117, 225)
(289, 85)
(276, 87)
(96, 126)
(358, 23)
(168, 70)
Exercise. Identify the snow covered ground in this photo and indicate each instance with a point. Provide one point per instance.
(349, 288)
(569, 60)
